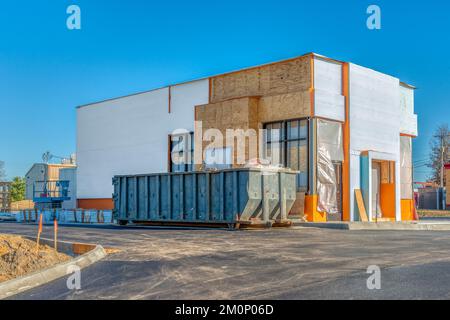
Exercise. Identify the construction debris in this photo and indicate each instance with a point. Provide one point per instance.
(19, 256)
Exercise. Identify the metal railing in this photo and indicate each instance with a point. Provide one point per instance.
(53, 189)
(66, 216)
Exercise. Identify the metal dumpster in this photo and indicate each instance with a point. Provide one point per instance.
(231, 197)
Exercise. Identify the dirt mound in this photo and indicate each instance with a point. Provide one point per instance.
(19, 256)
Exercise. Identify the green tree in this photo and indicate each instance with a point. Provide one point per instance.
(18, 189)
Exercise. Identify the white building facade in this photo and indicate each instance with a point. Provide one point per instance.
(361, 119)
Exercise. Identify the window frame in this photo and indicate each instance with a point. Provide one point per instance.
(186, 153)
(223, 166)
(284, 142)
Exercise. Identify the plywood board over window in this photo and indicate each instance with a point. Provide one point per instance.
(274, 79)
(230, 114)
(284, 106)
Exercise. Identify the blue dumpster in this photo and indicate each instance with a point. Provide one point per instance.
(230, 197)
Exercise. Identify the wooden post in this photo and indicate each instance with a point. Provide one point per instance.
(55, 227)
(39, 232)
(361, 207)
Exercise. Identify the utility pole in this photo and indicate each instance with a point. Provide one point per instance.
(443, 137)
(442, 160)
(444, 143)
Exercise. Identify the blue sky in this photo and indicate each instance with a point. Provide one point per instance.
(123, 47)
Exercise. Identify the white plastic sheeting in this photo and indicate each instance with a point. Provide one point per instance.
(406, 167)
(355, 179)
(329, 149)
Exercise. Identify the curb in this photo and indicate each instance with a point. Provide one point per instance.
(387, 226)
(38, 278)
(322, 225)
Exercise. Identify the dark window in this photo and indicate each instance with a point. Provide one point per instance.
(181, 152)
(286, 144)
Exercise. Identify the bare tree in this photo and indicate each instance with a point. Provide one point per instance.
(440, 152)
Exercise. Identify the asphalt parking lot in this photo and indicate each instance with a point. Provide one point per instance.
(300, 263)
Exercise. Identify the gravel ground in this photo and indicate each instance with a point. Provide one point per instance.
(296, 263)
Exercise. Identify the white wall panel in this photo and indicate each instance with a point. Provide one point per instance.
(374, 111)
(183, 99)
(408, 123)
(328, 99)
(406, 100)
(36, 173)
(355, 182)
(329, 105)
(374, 120)
(129, 135)
(328, 76)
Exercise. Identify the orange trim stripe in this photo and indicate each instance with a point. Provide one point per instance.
(407, 135)
(98, 204)
(346, 165)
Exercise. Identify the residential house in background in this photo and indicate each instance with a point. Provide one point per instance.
(5, 196)
(46, 181)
